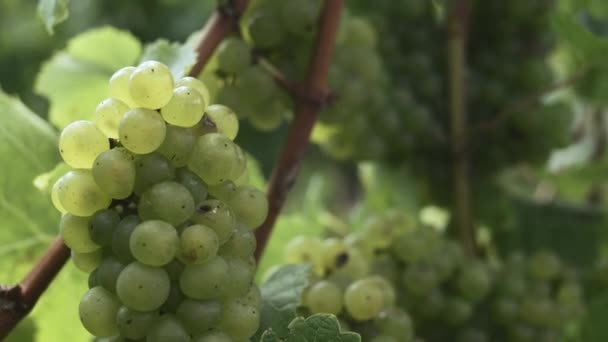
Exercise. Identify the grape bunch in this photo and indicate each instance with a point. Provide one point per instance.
(157, 209)
(392, 280)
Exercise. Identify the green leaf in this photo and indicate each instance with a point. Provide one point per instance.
(178, 57)
(52, 13)
(281, 295)
(318, 327)
(586, 47)
(76, 79)
(594, 327)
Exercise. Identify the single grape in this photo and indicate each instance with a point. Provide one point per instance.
(114, 172)
(324, 296)
(154, 242)
(258, 85)
(363, 300)
(178, 145)
(167, 201)
(544, 265)
(233, 55)
(223, 191)
(240, 277)
(215, 336)
(304, 249)
(198, 244)
(151, 85)
(505, 310)
(97, 311)
(206, 280)
(119, 86)
(195, 84)
(107, 116)
(102, 226)
(55, 199)
(87, 262)
(242, 243)
(199, 316)
(122, 236)
(151, 169)
(396, 323)
(80, 143)
(108, 272)
(299, 16)
(185, 108)
(143, 288)
(75, 234)
(216, 158)
(135, 324)
(218, 216)
(238, 320)
(221, 119)
(263, 29)
(388, 292)
(420, 279)
(141, 130)
(253, 297)
(457, 311)
(268, 117)
(194, 184)
(168, 328)
(333, 251)
(474, 281)
(249, 205)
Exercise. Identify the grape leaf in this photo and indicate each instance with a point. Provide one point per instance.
(76, 79)
(178, 57)
(594, 327)
(52, 13)
(588, 48)
(318, 327)
(280, 298)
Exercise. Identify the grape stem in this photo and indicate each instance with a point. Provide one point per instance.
(287, 167)
(458, 19)
(18, 300)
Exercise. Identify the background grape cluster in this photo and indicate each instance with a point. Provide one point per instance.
(394, 280)
(157, 209)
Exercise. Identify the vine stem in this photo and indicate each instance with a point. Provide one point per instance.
(306, 111)
(18, 300)
(458, 20)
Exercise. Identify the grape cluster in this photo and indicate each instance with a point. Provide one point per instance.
(157, 209)
(392, 278)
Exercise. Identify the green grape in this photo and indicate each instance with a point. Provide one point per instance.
(75, 234)
(249, 205)
(359, 33)
(333, 252)
(199, 316)
(102, 226)
(544, 265)
(385, 338)
(355, 265)
(457, 311)
(240, 277)
(151, 169)
(242, 243)
(198, 189)
(221, 119)
(363, 300)
(305, 249)
(513, 284)
(430, 306)
(539, 311)
(505, 309)
(258, 85)
(216, 336)
(151, 85)
(97, 311)
(216, 158)
(233, 55)
(396, 323)
(141, 130)
(135, 324)
(114, 172)
(107, 116)
(238, 320)
(119, 86)
(253, 297)
(55, 199)
(122, 236)
(92, 280)
(195, 84)
(223, 191)
(178, 144)
(299, 16)
(446, 260)
(218, 216)
(80, 143)
(185, 108)
(472, 335)
(324, 296)
(388, 292)
(198, 244)
(167, 201)
(168, 328)
(154, 242)
(173, 300)
(143, 288)
(268, 117)
(474, 281)
(264, 30)
(87, 262)
(107, 273)
(230, 96)
(205, 281)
